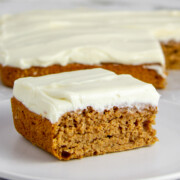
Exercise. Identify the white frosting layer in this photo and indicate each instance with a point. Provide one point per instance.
(53, 95)
(43, 38)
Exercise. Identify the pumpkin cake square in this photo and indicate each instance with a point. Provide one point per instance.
(85, 113)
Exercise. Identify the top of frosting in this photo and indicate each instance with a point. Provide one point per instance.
(53, 95)
(43, 38)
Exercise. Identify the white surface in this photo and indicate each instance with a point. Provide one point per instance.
(19, 159)
(54, 95)
(14, 6)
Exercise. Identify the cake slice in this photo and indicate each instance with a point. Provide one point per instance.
(84, 113)
(45, 42)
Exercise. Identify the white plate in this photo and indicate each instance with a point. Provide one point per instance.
(19, 159)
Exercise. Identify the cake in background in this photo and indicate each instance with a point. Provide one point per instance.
(43, 42)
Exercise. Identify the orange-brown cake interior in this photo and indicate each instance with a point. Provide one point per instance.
(171, 51)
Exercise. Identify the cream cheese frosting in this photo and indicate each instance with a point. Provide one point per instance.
(43, 38)
(53, 95)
